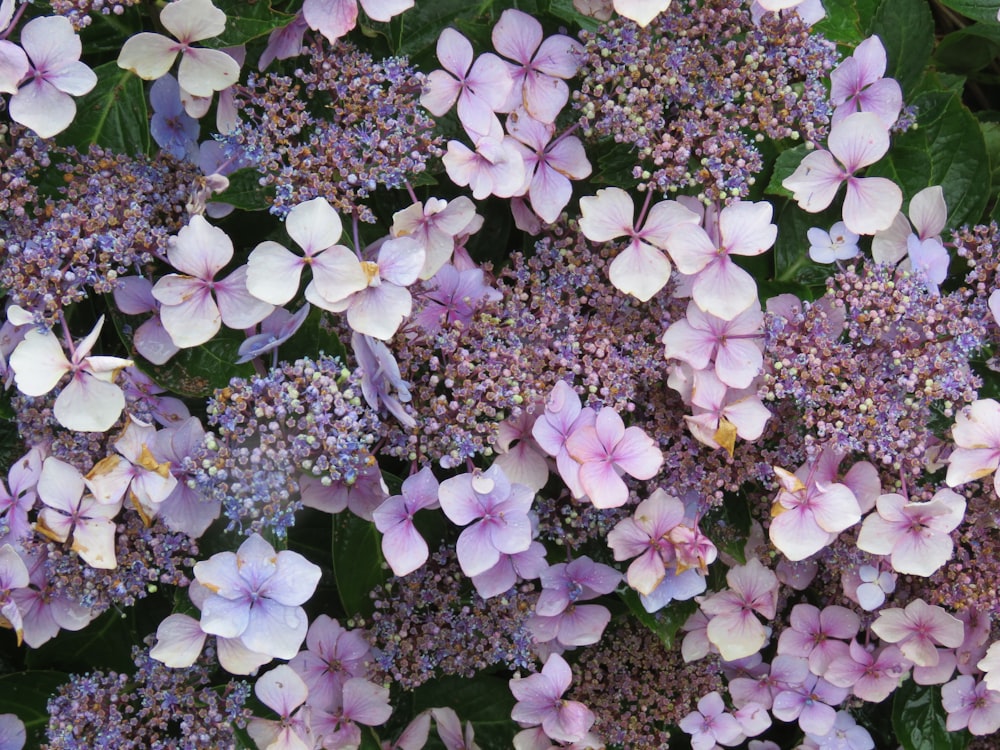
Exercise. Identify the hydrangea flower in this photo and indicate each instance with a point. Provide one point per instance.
(733, 627)
(971, 705)
(977, 439)
(480, 87)
(333, 655)
(917, 629)
(733, 345)
(202, 71)
(646, 537)
(334, 18)
(404, 549)
(720, 287)
(808, 516)
(44, 102)
(256, 596)
(605, 451)
(90, 401)
(928, 213)
(193, 304)
(857, 85)
(435, 226)
(642, 268)
(173, 129)
(871, 203)
(916, 536)
(284, 692)
(134, 296)
(495, 513)
(712, 725)
(538, 84)
(71, 516)
(840, 243)
(540, 701)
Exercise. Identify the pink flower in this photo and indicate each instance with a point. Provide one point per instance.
(511, 568)
(70, 516)
(818, 635)
(558, 613)
(537, 78)
(334, 18)
(404, 549)
(273, 272)
(499, 510)
(193, 305)
(917, 629)
(720, 287)
(563, 415)
(929, 214)
(810, 703)
(871, 203)
(722, 414)
(284, 692)
(517, 453)
(45, 102)
(641, 269)
(916, 536)
(383, 302)
(202, 71)
(134, 296)
(734, 629)
(540, 701)
(90, 401)
(857, 85)
(711, 724)
(481, 87)
(734, 345)
(971, 705)
(495, 167)
(871, 674)
(645, 536)
(607, 450)
(549, 167)
(333, 655)
(977, 440)
(808, 517)
(434, 226)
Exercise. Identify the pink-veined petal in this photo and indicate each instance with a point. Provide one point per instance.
(815, 181)
(42, 107)
(640, 270)
(724, 289)
(607, 215)
(148, 55)
(205, 71)
(871, 204)
(331, 18)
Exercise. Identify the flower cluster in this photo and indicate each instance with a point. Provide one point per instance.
(341, 127)
(304, 419)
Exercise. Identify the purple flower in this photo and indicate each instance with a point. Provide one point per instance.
(15, 503)
(818, 635)
(971, 705)
(481, 87)
(711, 724)
(558, 614)
(184, 509)
(256, 596)
(452, 296)
(540, 701)
(645, 536)
(173, 129)
(811, 703)
(734, 345)
(734, 629)
(917, 629)
(45, 102)
(380, 376)
(857, 85)
(134, 296)
(275, 330)
(605, 451)
(871, 203)
(333, 656)
(871, 674)
(500, 511)
(195, 305)
(404, 549)
(13, 734)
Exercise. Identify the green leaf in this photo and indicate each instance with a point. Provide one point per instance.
(991, 137)
(978, 10)
(565, 10)
(486, 701)
(666, 622)
(112, 115)
(358, 564)
(27, 694)
(614, 166)
(919, 719)
(313, 338)
(245, 191)
(198, 371)
(786, 163)
(906, 28)
(968, 50)
(947, 149)
(246, 20)
(842, 23)
(416, 31)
